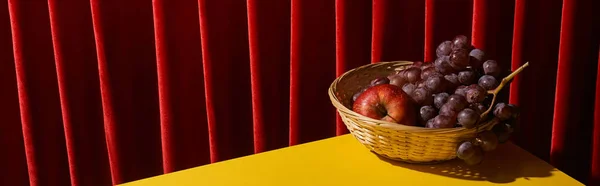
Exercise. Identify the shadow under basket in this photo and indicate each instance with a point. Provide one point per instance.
(412, 144)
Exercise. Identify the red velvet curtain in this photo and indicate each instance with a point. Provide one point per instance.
(103, 92)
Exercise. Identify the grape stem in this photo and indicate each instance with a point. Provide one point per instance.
(505, 81)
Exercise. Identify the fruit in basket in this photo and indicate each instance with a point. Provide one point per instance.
(409, 88)
(476, 56)
(452, 80)
(435, 84)
(444, 49)
(467, 118)
(379, 81)
(449, 109)
(386, 102)
(467, 77)
(440, 99)
(397, 79)
(475, 94)
(422, 96)
(429, 71)
(490, 67)
(461, 90)
(459, 59)
(458, 100)
(412, 74)
(488, 82)
(426, 113)
(460, 42)
(358, 93)
(478, 107)
(442, 121)
(503, 111)
(502, 131)
(442, 65)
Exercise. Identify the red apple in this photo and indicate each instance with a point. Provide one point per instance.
(386, 102)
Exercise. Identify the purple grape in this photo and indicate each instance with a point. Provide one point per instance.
(448, 109)
(515, 110)
(467, 77)
(489, 140)
(379, 81)
(461, 90)
(467, 118)
(478, 107)
(459, 59)
(409, 88)
(427, 112)
(502, 131)
(417, 64)
(488, 82)
(426, 65)
(429, 123)
(430, 71)
(444, 49)
(476, 158)
(477, 57)
(475, 94)
(460, 42)
(452, 80)
(458, 100)
(435, 84)
(442, 65)
(397, 80)
(441, 121)
(490, 67)
(440, 99)
(422, 96)
(503, 111)
(413, 74)
(465, 150)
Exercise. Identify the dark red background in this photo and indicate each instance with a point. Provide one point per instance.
(103, 92)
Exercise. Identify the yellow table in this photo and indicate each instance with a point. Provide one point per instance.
(344, 161)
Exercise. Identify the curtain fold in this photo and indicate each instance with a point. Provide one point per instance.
(103, 92)
(184, 128)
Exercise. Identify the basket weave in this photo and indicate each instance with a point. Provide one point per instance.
(411, 144)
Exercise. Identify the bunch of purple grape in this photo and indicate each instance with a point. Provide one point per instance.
(452, 90)
(472, 151)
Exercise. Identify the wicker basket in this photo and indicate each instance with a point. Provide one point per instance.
(411, 144)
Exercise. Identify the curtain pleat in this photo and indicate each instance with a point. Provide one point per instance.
(40, 108)
(269, 44)
(224, 34)
(128, 84)
(574, 111)
(398, 30)
(184, 128)
(595, 163)
(537, 33)
(312, 70)
(353, 40)
(78, 87)
(103, 92)
(13, 164)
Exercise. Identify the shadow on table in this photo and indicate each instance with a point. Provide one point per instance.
(503, 165)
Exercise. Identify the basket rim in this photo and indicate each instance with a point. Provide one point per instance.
(394, 126)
